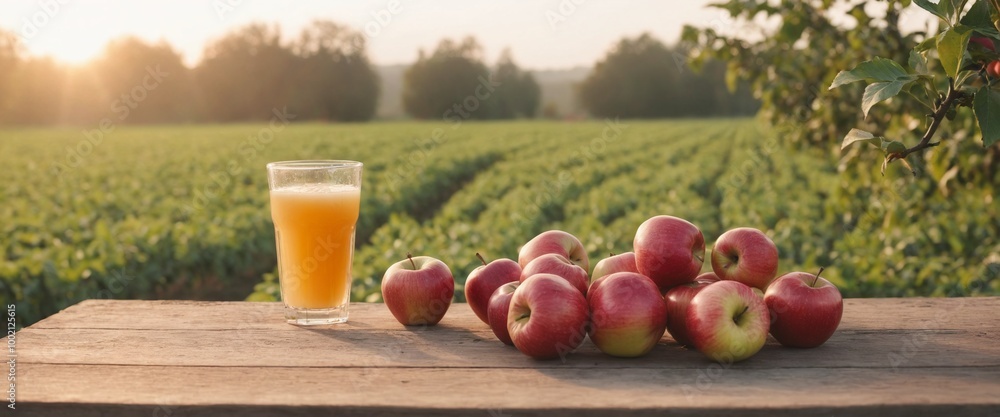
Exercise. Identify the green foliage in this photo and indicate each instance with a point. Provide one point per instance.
(182, 212)
(967, 82)
(454, 83)
(790, 67)
(643, 78)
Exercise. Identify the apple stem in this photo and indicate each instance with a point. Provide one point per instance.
(410, 257)
(817, 277)
(612, 253)
(480, 258)
(737, 318)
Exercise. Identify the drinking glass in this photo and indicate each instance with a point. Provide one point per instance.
(315, 206)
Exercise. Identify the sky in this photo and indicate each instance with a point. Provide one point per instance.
(545, 34)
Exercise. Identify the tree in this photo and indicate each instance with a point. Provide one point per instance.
(635, 80)
(791, 69)
(246, 74)
(643, 78)
(37, 96)
(438, 84)
(144, 83)
(518, 94)
(967, 52)
(9, 51)
(334, 79)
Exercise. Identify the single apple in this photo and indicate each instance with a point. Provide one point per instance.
(557, 242)
(805, 309)
(547, 317)
(678, 299)
(418, 290)
(985, 42)
(746, 255)
(499, 306)
(485, 279)
(669, 250)
(551, 263)
(628, 315)
(622, 262)
(993, 68)
(727, 322)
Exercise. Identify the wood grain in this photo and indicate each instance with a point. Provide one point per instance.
(183, 358)
(195, 391)
(859, 314)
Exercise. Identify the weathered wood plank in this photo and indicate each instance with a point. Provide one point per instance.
(453, 347)
(859, 314)
(891, 357)
(914, 334)
(710, 391)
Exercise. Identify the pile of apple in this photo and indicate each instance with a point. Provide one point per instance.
(546, 304)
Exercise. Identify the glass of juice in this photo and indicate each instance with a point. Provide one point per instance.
(314, 206)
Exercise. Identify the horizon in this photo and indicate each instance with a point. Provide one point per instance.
(546, 36)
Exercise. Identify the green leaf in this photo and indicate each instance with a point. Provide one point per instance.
(952, 44)
(918, 62)
(879, 92)
(987, 108)
(945, 9)
(892, 146)
(980, 19)
(858, 135)
(878, 69)
(926, 45)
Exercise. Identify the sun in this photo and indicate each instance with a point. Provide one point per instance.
(49, 32)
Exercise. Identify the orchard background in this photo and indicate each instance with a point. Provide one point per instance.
(170, 201)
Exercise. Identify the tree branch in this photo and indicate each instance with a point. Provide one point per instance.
(936, 118)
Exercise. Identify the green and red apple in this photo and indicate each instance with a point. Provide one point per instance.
(418, 290)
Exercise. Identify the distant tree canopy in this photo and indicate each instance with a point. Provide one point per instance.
(454, 82)
(643, 78)
(8, 62)
(323, 74)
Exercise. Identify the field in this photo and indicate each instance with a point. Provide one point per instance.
(182, 211)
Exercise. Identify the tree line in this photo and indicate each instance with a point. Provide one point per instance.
(325, 74)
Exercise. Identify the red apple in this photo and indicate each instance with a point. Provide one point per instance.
(628, 315)
(485, 279)
(669, 250)
(805, 309)
(727, 322)
(985, 42)
(418, 290)
(622, 262)
(557, 242)
(746, 255)
(678, 299)
(993, 68)
(547, 317)
(551, 263)
(499, 306)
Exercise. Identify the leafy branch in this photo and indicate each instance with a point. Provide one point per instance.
(967, 51)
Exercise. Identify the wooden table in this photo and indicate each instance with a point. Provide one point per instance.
(891, 357)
